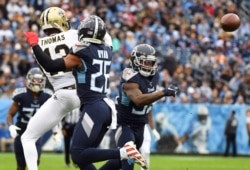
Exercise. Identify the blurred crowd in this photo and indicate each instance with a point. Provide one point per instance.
(209, 65)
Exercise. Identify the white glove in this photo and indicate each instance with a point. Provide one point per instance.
(156, 135)
(179, 148)
(13, 131)
(57, 139)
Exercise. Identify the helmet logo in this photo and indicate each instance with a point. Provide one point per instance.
(61, 14)
(90, 32)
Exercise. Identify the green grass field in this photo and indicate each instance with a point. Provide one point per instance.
(53, 161)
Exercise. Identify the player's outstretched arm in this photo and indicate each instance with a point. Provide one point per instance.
(44, 60)
(139, 99)
(59, 64)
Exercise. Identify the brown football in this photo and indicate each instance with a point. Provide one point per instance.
(230, 22)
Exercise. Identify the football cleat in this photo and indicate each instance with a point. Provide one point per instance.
(129, 152)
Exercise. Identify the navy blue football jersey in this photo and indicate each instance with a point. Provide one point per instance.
(28, 105)
(128, 112)
(93, 79)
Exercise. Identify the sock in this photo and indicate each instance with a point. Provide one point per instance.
(146, 156)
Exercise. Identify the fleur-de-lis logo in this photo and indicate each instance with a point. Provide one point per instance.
(61, 14)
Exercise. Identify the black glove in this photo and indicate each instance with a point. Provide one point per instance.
(172, 90)
(248, 141)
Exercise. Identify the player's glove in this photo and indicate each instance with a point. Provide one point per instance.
(156, 134)
(13, 131)
(57, 139)
(172, 90)
(179, 148)
(32, 38)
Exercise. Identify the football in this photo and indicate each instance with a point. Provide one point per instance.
(230, 22)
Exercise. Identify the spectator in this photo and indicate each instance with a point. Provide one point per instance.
(230, 133)
(206, 91)
(169, 63)
(235, 81)
(244, 87)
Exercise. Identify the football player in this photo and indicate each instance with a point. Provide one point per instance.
(136, 94)
(90, 61)
(56, 44)
(26, 101)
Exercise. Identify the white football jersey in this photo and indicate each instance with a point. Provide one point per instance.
(57, 46)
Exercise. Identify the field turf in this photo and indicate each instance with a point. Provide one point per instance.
(54, 161)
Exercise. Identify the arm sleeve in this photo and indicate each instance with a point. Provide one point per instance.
(46, 62)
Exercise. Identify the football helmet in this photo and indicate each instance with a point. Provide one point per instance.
(143, 60)
(202, 112)
(35, 80)
(54, 17)
(92, 29)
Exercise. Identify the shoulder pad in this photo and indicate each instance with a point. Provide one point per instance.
(19, 91)
(72, 31)
(72, 34)
(48, 91)
(128, 73)
(79, 46)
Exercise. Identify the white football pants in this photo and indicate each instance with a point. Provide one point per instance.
(46, 118)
